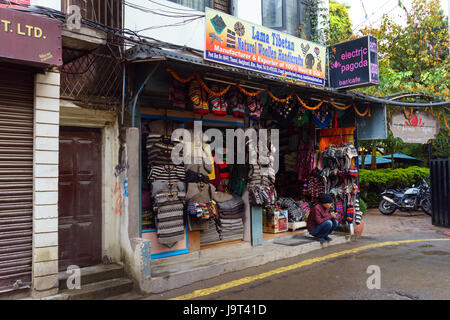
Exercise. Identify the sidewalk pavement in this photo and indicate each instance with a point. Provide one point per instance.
(377, 224)
(175, 272)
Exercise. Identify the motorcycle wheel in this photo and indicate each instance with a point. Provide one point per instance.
(425, 204)
(386, 208)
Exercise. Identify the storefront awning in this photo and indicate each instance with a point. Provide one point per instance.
(185, 56)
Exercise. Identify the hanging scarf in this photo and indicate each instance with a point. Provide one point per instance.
(301, 118)
(255, 107)
(321, 119)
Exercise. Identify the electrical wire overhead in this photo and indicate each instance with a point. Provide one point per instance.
(373, 13)
(127, 35)
(165, 13)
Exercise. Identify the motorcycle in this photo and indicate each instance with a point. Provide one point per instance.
(413, 198)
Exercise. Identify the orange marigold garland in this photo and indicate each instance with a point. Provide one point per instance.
(445, 121)
(205, 87)
(178, 78)
(248, 93)
(310, 108)
(410, 113)
(367, 112)
(285, 100)
(337, 107)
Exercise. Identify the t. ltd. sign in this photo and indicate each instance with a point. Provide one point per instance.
(354, 63)
(30, 38)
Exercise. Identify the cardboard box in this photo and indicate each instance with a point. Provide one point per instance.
(275, 222)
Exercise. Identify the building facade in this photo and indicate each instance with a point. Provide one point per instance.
(79, 199)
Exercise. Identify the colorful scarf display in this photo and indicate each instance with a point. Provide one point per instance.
(321, 118)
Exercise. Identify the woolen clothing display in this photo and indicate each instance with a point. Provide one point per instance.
(167, 172)
(205, 192)
(192, 176)
(177, 94)
(295, 213)
(232, 207)
(218, 104)
(169, 217)
(231, 229)
(211, 234)
(237, 103)
(199, 98)
(165, 186)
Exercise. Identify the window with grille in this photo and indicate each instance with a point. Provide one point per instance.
(107, 12)
(194, 4)
(286, 16)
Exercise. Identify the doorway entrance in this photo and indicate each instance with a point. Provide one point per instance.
(80, 197)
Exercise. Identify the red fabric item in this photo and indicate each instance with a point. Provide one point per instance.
(318, 215)
(335, 119)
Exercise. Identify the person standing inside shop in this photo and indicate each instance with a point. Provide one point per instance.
(321, 223)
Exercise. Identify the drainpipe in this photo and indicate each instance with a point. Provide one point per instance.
(123, 91)
(136, 96)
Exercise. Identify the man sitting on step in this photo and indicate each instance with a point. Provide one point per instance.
(321, 222)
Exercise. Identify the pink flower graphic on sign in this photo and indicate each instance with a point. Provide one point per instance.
(335, 65)
(415, 122)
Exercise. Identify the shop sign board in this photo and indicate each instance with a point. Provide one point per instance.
(353, 64)
(419, 129)
(30, 38)
(239, 43)
(26, 2)
(375, 126)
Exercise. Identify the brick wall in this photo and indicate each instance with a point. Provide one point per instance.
(222, 5)
(45, 186)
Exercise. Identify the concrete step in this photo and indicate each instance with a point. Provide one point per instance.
(126, 296)
(93, 274)
(167, 276)
(99, 290)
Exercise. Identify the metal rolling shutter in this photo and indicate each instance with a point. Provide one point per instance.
(16, 177)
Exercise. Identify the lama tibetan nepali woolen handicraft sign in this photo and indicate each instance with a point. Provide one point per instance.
(246, 45)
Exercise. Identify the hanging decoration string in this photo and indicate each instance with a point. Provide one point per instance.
(286, 100)
(212, 93)
(439, 114)
(410, 113)
(338, 107)
(248, 93)
(255, 93)
(445, 121)
(310, 108)
(178, 78)
(367, 112)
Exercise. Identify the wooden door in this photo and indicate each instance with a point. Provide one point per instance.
(80, 199)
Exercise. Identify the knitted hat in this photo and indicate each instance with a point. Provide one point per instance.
(326, 198)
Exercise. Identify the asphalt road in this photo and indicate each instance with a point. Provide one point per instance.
(418, 270)
(413, 270)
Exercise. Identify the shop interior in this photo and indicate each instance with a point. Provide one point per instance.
(190, 207)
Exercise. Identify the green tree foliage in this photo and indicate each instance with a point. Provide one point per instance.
(338, 29)
(415, 57)
(340, 25)
(391, 145)
(373, 182)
